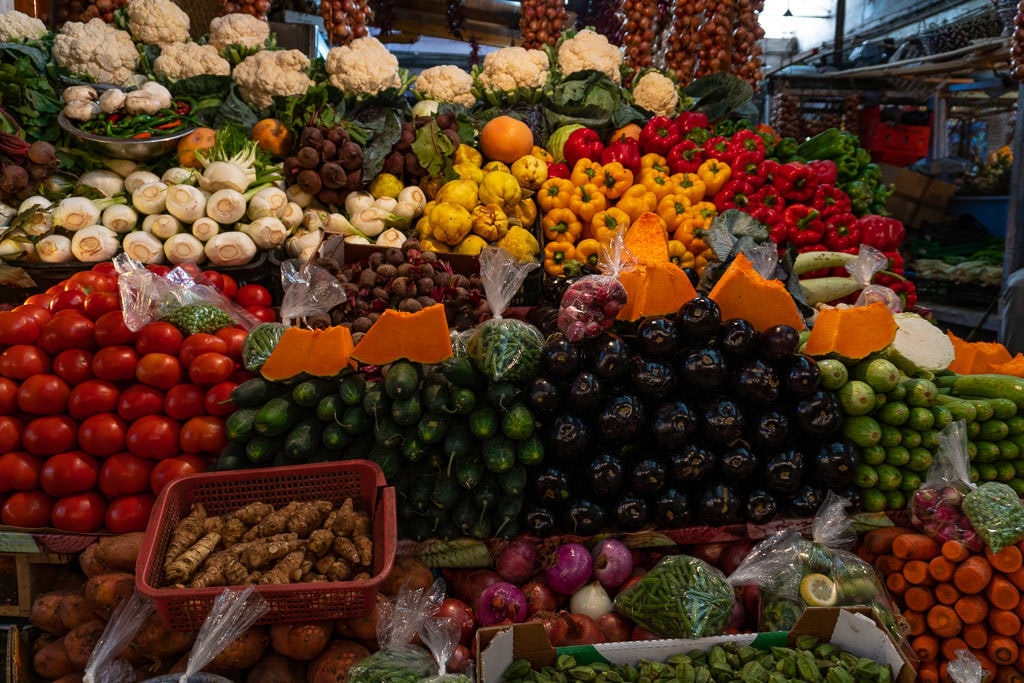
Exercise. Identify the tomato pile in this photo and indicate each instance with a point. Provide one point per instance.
(96, 419)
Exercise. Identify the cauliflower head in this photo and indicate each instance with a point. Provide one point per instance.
(96, 49)
(17, 25)
(184, 60)
(446, 83)
(157, 22)
(272, 72)
(657, 93)
(514, 67)
(363, 67)
(590, 50)
(238, 28)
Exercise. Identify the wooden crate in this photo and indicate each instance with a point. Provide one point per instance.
(23, 576)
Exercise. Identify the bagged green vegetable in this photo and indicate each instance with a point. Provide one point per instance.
(681, 597)
(996, 513)
(441, 636)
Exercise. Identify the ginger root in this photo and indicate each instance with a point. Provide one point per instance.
(185, 535)
(320, 542)
(365, 547)
(345, 520)
(346, 550)
(274, 523)
(265, 551)
(181, 570)
(286, 570)
(309, 516)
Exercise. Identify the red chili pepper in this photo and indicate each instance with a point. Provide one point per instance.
(169, 125)
(145, 135)
(659, 135)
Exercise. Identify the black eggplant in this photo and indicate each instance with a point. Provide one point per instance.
(608, 357)
(761, 506)
(698, 320)
(693, 275)
(622, 418)
(756, 381)
(693, 463)
(568, 437)
(673, 424)
(648, 475)
(784, 471)
(770, 430)
(651, 377)
(538, 520)
(855, 495)
(559, 357)
(631, 513)
(835, 463)
(723, 422)
(779, 341)
(672, 509)
(584, 394)
(542, 395)
(551, 486)
(604, 475)
(801, 376)
(806, 501)
(720, 504)
(819, 414)
(657, 335)
(738, 337)
(584, 518)
(738, 463)
(703, 370)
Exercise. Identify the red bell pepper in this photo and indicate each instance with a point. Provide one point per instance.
(769, 198)
(804, 225)
(825, 170)
(881, 232)
(685, 157)
(735, 194)
(689, 120)
(778, 233)
(659, 135)
(717, 147)
(841, 232)
(582, 143)
(769, 167)
(795, 181)
(830, 200)
(625, 151)
(895, 264)
(748, 141)
(559, 170)
(747, 166)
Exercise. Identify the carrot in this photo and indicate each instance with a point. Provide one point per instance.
(1008, 674)
(946, 593)
(940, 568)
(916, 573)
(955, 551)
(928, 672)
(976, 635)
(1002, 650)
(986, 663)
(1001, 593)
(879, 541)
(919, 599)
(915, 620)
(914, 547)
(926, 647)
(972, 575)
(943, 621)
(896, 583)
(888, 564)
(1008, 560)
(1016, 578)
(951, 645)
(1004, 622)
(1020, 659)
(972, 609)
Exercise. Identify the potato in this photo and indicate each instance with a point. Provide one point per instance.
(46, 612)
(409, 572)
(361, 628)
(243, 652)
(90, 564)
(156, 642)
(74, 611)
(105, 592)
(42, 640)
(80, 642)
(275, 668)
(302, 642)
(52, 661)
(120, 552)
(333, 663)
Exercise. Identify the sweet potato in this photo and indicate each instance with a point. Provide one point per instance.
(46, 612)
(333, 663)
(243, 652)
(74, 611)
(52, 661)
(80, 642)
(361, 628)
(301, 642)
(410, 572)
(275, 668)
(156, 642)
(105, 592)
(120, 552)
(90, 564)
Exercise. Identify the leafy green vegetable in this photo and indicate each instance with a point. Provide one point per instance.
(433, 149)
(591, 99)
(719, 94)
(26, 92)
(379, 146)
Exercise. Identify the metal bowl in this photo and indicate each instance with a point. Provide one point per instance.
(122, 148)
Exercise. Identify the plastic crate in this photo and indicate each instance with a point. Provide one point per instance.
(185, 609)
(972, 295)
(933, 291)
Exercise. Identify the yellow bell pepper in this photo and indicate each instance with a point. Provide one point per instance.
(542, 154)
(555, 193)
(657, 182)
(465, 154)
(461, 192)
(673, 209)
(679, 254)
(556, 255)
(468, 171)
(521, 243)
(586, 171)
(450, 222)
(525, 213)
(489, 222)
(614, 179)
(715, 174)
(706, 211)
(586, 200)
(588, 251)
(654, 161)
(530, 171)
(499, 187)
(561, 224)
(690, 185)
(635, 201)
(496, 166)
(606, 224)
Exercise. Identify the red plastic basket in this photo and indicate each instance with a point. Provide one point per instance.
(184, 609)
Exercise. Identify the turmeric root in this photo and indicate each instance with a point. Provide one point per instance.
(320, 542)
(185, 534)
(181, 569)
(309, 516)
(365, 547)
(274, 523)
(263, 552)
(286, 570)
(344, 521)
(346, 550)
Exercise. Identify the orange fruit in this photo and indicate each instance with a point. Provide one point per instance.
(273, 137)
(201, 140)
(505, 139)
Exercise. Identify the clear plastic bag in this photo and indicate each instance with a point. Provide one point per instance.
(399, 620)
(996, 513)
(793, 572)
(936, 508)
(590, 305)
(233, 612)
(308, 290)
(441, 635)
(681, 597)
(504, 350)
(764, 258)
(965, 668)
(105, 664)
(863, 269)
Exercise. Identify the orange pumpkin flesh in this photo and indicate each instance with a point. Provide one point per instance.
(320, 353)
(975, 358)
(741, 292)
(853, 333)
(421, 337)
(654, 285)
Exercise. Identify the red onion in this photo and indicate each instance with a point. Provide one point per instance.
(732, 556)
(554, 625)
(615, 627)
(461, 614)
(571, 569)
(640, 633)
(500, 601)
(517, 561)
(539, 597)
(467, 585)
(582, 630)
(613, 562)
(459, 661)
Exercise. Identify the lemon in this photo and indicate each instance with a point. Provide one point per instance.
(818, 590)
(386, 185)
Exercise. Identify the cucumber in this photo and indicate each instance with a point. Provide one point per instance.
(930, 439)
(911, 438)
(432, 428)
(857, 397)
(239, 425)
(897, 394)
(866, 476)
(889, 478)
(921, 418)
(1005, 472)
(261, 450)
(983, 409)
(334, 438)
(499, 454)
(1016, 425)
(232, 457)
(862, 430)
(407, 411)
(1008, 450)
(483, 422)
(880, 374)
(895, 413)
(530, 451)
(461, 401)
(461, 372)
(958, 408)
(991, 386)
(518, 423)
(254, 392)
(911, 481)
(330, 408)
(387, 433)
(354, 421)
(502, 395)
(833, 373)
(973, 429)
(1002, 408)
(351, 389)
(993, 430)
(942, 415)
(873, 455)
(304, 440)
(897, 456)
(891, 436)
(920, 392)
(435, 398)
(276, 417)
(920, 460)
(972, 450)
(987, 452)
(308, 393)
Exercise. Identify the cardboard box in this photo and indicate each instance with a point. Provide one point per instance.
(853, 629)
(916, 198)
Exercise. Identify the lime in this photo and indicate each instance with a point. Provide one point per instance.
(818, 590)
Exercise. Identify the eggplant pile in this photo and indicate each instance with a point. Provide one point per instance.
(682, 419)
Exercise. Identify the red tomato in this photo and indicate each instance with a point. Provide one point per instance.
(69, 300)
(139, 400)
(158, 269)
(160, 370)
(215, 279)
(115, 363)
(91, 397)
(29, 509)
(98, 304)
(253, 295)
(102, 435)
(43, 299)
(18, 327)
(198, 344)
(153, 436)
(67, 473)
(203, 435)
(218, 399)
(110, 330)
(230, 288)
(70, 331)
(74, 366)
(106, 268)
(166, 471)
(49, 434)
(262, 313)
(8, 396)
(43, 395)
(21, 361)
(129, 513)
(123, 474)
(40, 313)
(234, 337)
(19, 471)
(90, 281)
(184, 401)
(82, 513)
(159, 337)
(10, 433)
(211, 368)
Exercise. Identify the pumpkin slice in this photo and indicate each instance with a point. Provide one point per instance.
(421, 337)
(647, 240)
(332, 352)
(288, 359)
(977, 358)
(852, 333)
(742, 292)
(654, 285)
(1014, 366)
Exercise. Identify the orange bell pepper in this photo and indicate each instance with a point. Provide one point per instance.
(554, 193)
(715, 174)
(636, 200)
(556, 256)
(689, 185)
(606, 224)
(673, 209)
(586, 171)
(614, 180)
(586, 200)
(561, 225)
